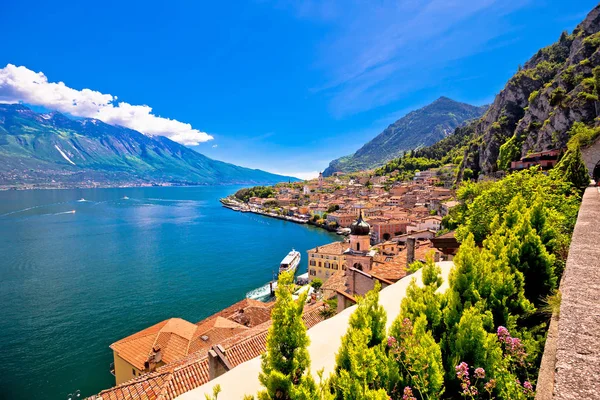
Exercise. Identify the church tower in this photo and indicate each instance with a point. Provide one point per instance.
(360, 239)
(357, 256)
(320, 180)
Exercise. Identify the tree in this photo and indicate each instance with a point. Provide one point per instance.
(363, 369)
(286, 362)
(471, 343)
(423, 300)
(483, 201)
(419, 359)
(316, 283)
(333, 208)
(509, 151)
(573, 168)
(526, 252)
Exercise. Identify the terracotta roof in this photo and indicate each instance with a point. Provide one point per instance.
(176, 338)
(183, 375)
(136, 349)
(337, 281)
(393, 268)
(335, 248)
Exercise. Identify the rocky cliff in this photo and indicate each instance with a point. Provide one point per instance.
(542, 101)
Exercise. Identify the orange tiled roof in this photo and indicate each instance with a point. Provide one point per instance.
(175, 337)
(337, 281)
(173, 379)
(393, 268)
(335, 248)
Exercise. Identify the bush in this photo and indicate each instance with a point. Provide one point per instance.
(557, 96)
(509, 151)
(533, 95)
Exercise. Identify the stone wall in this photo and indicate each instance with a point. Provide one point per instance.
(574, 370)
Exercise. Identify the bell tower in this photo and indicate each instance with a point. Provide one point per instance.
(360, 241)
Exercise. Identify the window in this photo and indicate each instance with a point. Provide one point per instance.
(133, 371)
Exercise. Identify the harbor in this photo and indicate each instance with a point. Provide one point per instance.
(236, 205)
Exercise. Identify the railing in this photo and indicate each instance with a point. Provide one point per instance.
(112, 368)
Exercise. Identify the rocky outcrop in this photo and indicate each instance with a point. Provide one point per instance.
(540, 103)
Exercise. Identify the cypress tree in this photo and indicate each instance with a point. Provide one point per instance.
(363, 369)
(286, 362)
(573, 168)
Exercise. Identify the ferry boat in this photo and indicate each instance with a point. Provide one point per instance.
(290, 262)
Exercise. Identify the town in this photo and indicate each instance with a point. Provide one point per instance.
(389, 226)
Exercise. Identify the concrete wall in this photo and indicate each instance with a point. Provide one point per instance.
(571, 363)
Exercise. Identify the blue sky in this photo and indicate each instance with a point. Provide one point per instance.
(284, 86)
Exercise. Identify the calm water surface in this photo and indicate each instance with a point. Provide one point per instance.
(73, 283)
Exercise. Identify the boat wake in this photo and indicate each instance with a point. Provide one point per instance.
(29, 208)
(64, 212)
(262, 293)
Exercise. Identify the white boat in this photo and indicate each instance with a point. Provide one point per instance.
(290, 262)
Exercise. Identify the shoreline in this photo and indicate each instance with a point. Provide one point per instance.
(236, 205)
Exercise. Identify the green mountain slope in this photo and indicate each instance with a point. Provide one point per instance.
(421, 127)
(553, 97)
(558, 87)
(51, 148)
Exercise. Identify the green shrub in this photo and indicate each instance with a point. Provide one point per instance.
(533, 95)
(557, 96)
(509, 151)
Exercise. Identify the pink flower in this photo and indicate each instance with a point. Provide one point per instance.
(479, 373)
(490, 385)
(408, 394)
(391, 341)
(462, 371)
(528, 388)
(503, 334)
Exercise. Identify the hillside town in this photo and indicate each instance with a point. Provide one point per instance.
(391, 208)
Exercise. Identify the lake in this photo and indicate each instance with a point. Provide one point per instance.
(72, 283)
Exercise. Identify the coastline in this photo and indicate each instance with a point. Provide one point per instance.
(236, 205)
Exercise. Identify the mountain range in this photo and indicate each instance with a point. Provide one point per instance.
(418, 128)
(52, 150)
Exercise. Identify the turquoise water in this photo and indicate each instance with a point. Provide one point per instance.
(73, 283)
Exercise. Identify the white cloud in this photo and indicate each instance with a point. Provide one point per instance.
(214, 146)
(20, 84)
